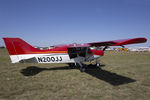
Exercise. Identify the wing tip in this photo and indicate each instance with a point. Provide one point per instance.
(141, 39)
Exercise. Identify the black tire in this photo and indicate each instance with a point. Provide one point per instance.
(72, 65)
(82, 69)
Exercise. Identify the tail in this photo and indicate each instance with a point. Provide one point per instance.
(16, 47)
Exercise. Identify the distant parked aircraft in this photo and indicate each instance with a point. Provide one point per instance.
(140, 49)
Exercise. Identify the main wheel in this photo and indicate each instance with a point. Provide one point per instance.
(72, 65)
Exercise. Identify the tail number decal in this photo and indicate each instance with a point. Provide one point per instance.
(49, 59)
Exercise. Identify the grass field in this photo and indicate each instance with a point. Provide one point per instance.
(123, 76)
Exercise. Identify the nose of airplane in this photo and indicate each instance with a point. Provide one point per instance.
(99, 52)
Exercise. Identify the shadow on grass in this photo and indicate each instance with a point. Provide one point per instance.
(111, 78)
(33, 70)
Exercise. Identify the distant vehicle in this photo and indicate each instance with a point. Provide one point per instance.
(72, 54)
(123, 49)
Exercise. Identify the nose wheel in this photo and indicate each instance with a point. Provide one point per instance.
(97, 63)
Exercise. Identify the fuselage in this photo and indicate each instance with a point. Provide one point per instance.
(57, 55)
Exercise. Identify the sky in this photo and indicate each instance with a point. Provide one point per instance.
(50, 22)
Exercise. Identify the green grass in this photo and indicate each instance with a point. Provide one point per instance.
(124, 76)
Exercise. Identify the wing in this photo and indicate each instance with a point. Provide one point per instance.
(106, 43)
(119, 42)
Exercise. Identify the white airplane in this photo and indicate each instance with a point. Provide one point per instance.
(72, 54)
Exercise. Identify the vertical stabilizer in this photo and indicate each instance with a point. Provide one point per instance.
(17, 47)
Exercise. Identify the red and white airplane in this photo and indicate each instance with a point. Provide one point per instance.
(72, 54)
